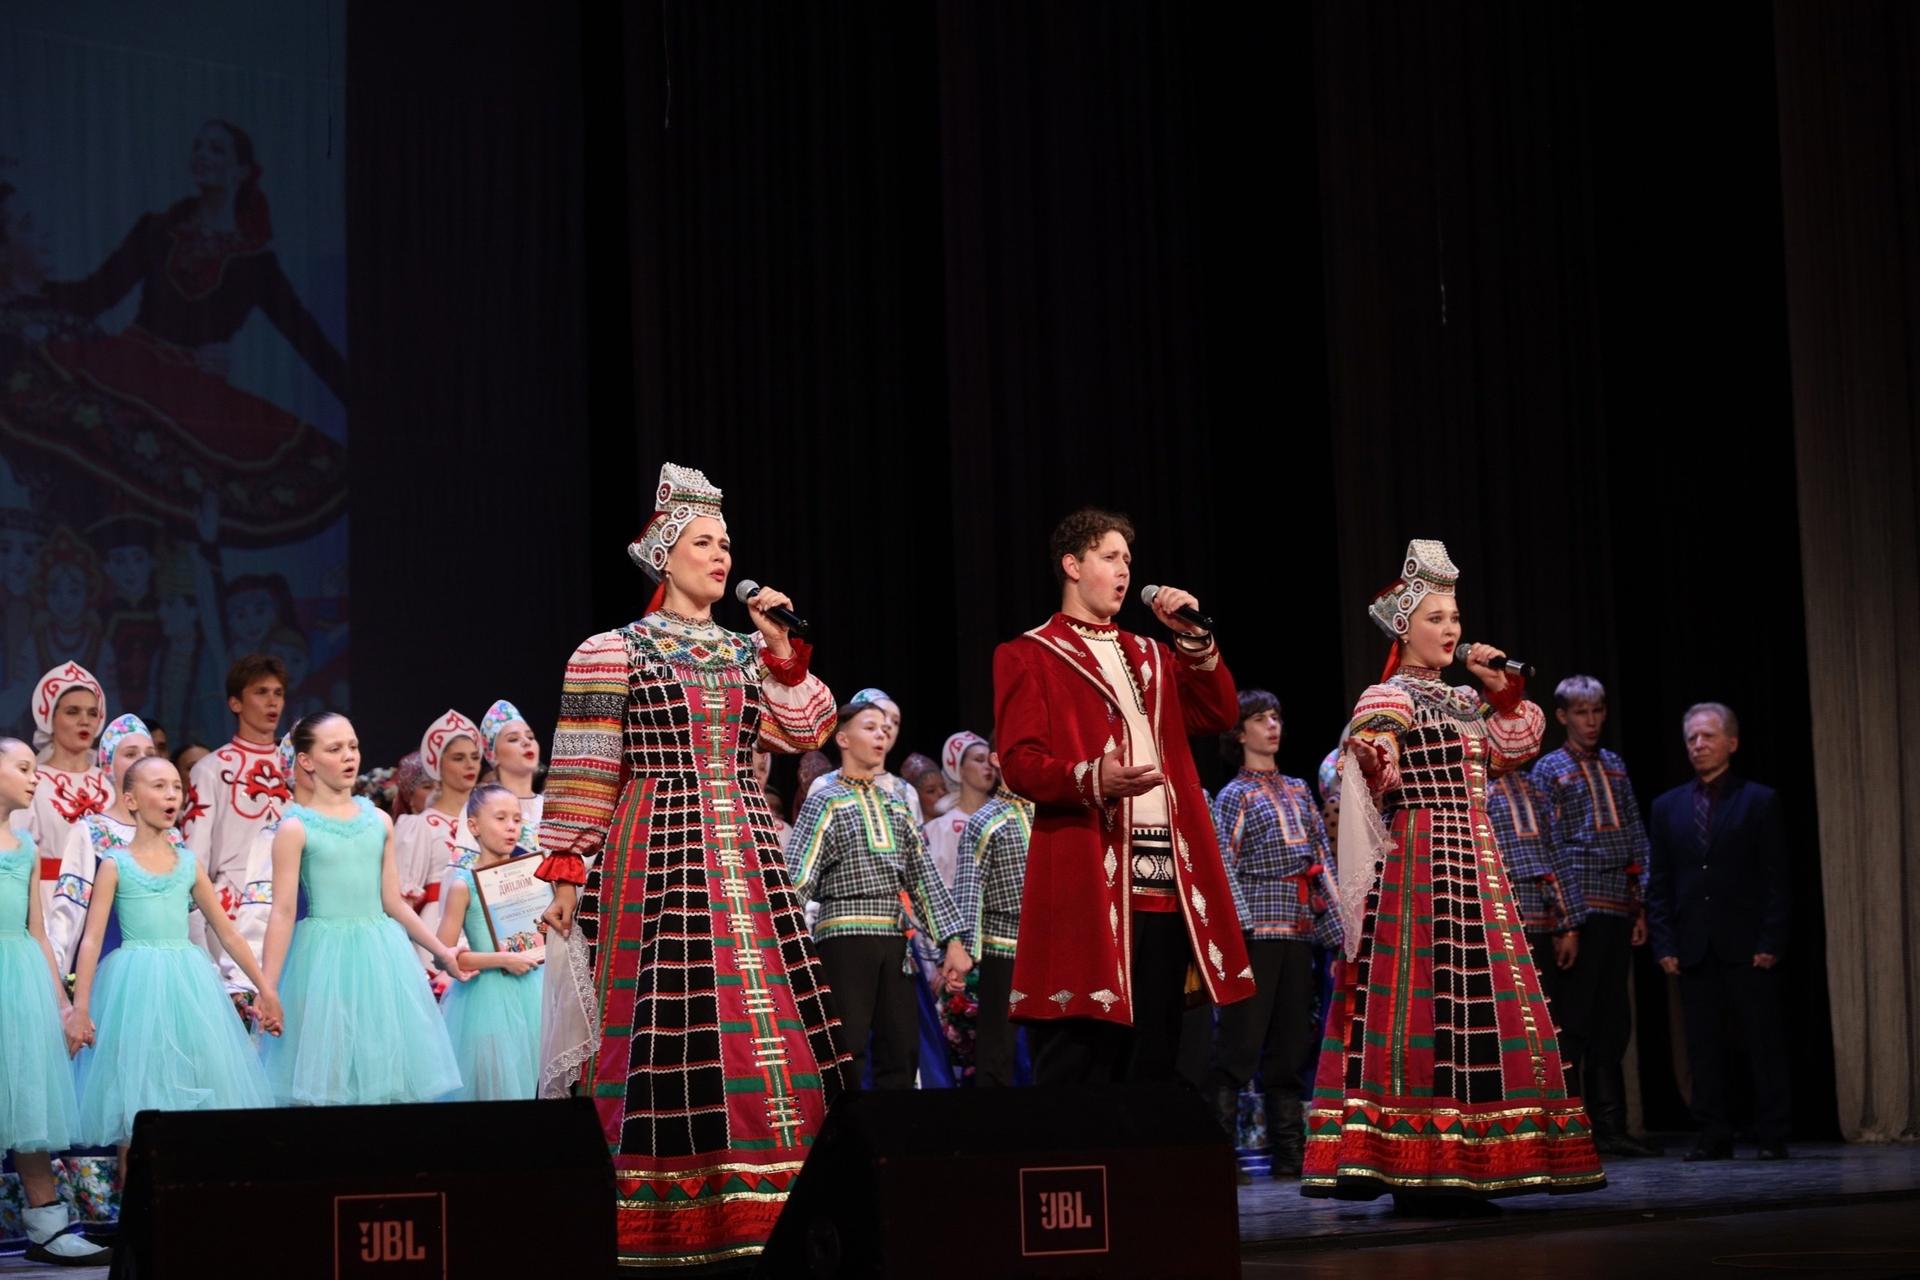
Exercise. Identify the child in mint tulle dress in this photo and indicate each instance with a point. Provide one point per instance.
(361, 1022)
(153, 1022)
(494, 1020)
(39, 1114)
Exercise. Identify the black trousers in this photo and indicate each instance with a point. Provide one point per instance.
(1590, 1001)
(994, 1035)
(1714, 992)
(1089, 1051)
(1275, 1029)
(871, 993)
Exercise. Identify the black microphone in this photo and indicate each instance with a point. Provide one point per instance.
(786, 617)
(1186, 611)
(1515, 665)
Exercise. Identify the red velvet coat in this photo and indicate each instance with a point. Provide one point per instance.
(1054, 717)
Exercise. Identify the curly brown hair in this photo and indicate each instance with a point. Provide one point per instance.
(1080, 532)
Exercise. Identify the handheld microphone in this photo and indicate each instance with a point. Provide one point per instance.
(786, 617)
(1186, 611)
(1515, 665)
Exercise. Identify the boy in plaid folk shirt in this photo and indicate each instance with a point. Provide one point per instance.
(857, 850)
(1275, 847)
(991, 873)
(1545, 886)
(1596, 823)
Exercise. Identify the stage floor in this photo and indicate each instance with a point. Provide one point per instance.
(1811, 1202)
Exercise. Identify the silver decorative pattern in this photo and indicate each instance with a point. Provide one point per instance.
(1427, 568)
(682, 496)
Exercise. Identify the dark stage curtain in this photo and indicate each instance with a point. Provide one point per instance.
(910, 281)
(1850, 135)
(1556, 323)
(474, 463)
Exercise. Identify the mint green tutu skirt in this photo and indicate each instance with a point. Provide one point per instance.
(362, 1027)
(38, 1109)
(494, 1023)
(167, 1039)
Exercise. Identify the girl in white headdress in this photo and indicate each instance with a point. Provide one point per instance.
(513, 750)
(83, 844)
(68, 707)
(971, 776)
(425, 844)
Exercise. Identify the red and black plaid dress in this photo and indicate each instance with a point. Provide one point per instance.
(716, 1057)
(1440, 1070)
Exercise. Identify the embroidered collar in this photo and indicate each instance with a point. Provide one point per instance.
(691, 629)
(259, 748)
(1091, 630)
(1413, 672)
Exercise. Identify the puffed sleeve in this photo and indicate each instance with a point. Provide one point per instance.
(1383, 713)
(800, 708)
(583, 780)
(67, 915)
(1515, 727)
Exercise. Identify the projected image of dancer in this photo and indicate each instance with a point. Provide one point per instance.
(161, 419)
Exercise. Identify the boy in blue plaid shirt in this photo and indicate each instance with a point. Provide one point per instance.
(1596, 823)
(1275, 847)
(856, 848)
(992, 872)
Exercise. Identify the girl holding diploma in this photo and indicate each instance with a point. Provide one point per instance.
(494, 1020)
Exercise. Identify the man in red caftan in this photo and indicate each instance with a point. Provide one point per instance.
(1125, 889)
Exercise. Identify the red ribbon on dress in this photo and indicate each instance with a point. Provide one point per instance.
(432, 893)
(49, 868)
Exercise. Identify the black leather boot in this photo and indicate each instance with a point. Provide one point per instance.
(1286, 1134)
(1607, 1105)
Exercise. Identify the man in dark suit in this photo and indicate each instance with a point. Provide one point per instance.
(1717, 909)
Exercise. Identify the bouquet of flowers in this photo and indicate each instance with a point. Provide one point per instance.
(960, 1019)
(379, 786)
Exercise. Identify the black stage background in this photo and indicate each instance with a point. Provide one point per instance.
(910, 281)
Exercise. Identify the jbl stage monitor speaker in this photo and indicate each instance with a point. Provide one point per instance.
(1132, 1180)
(450, 1189)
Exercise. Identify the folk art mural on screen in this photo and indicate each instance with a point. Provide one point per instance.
(173, 376)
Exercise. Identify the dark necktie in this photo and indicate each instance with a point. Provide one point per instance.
(1703, 815)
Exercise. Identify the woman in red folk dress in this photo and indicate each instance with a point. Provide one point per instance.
(1440, 1081)
(701, 1025)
